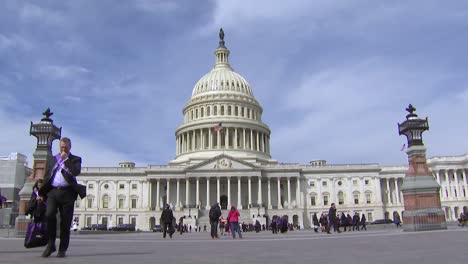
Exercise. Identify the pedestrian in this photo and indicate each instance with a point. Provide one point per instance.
(74, 226)
(363, 222)
(166, 219)
(315, 222)
(356, 221)
(396, 219)
(222, 225)
(61, 190)
(37, 207)
(214, 214)
(234, 220)
(332, 219)
(181, 225)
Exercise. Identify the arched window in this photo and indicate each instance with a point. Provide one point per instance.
(326, 198)
(313, 199)
(208, 111)
(340, 197)
(368, 197)
(356, 197)
(202, 110)
(222, 110)
(215, 110)
(134, 201)
(105, 201)
(89, 201)
(121, 201)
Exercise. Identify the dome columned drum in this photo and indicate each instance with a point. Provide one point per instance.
(222, 117)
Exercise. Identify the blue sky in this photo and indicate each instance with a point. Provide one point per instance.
(333, 77)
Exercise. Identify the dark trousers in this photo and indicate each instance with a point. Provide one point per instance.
(167, 228)
(62, 200)
(214, 228)
(335, 226)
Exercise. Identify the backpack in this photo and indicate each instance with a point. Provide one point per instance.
(212, 213)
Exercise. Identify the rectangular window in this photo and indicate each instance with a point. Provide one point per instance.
(368, 198)
(325, 200)
(121, 203)
(356, 199)
(366, 182)
(134, 186)
(77, 203)
(134, 203)
(90, 202)
(90, 186)
(324, 183)
(133, 220)
(311, 183)
(104, 220)
(369, 217)
(121, 186)
(355, 182)
(88, 220)
(312, 200)
(120, 221)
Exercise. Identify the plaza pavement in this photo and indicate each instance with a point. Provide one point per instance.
(375, 246)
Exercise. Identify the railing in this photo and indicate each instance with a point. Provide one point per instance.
(10, 226)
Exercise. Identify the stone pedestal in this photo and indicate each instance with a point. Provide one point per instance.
(421, 195)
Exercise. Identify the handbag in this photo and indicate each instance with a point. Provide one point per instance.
(36, 235)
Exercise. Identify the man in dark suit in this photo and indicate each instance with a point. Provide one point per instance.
(332, 221)
(61, 190)
(214, 215)
(166, 218)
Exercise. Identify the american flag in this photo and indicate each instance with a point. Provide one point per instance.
(218, 127)
(403, 147)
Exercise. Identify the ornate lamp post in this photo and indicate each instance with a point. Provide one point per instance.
(420, 190)
(46, 132)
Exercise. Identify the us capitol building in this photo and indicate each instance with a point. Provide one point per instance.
(223, 155)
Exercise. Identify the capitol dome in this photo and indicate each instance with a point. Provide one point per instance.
(222, 117)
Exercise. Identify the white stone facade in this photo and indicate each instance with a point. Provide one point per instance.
(233, 166)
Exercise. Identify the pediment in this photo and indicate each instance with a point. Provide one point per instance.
(222, 162)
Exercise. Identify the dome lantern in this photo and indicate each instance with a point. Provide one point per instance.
(222, 53)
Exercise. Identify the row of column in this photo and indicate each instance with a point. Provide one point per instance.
(221, 110)
(392, 190)
(218, 194)
(227, 137)
(452, 189)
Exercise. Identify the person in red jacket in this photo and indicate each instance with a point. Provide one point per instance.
(234, 220)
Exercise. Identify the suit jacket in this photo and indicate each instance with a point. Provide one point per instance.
(73, 165)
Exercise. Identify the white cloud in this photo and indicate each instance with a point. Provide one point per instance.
(362, 85)
(74, 99)
(14, 137)
(62, 72)
(14, 42)
(36, 14)
(350, 113)
(156, 7)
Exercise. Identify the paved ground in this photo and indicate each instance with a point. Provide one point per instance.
(378, 246)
